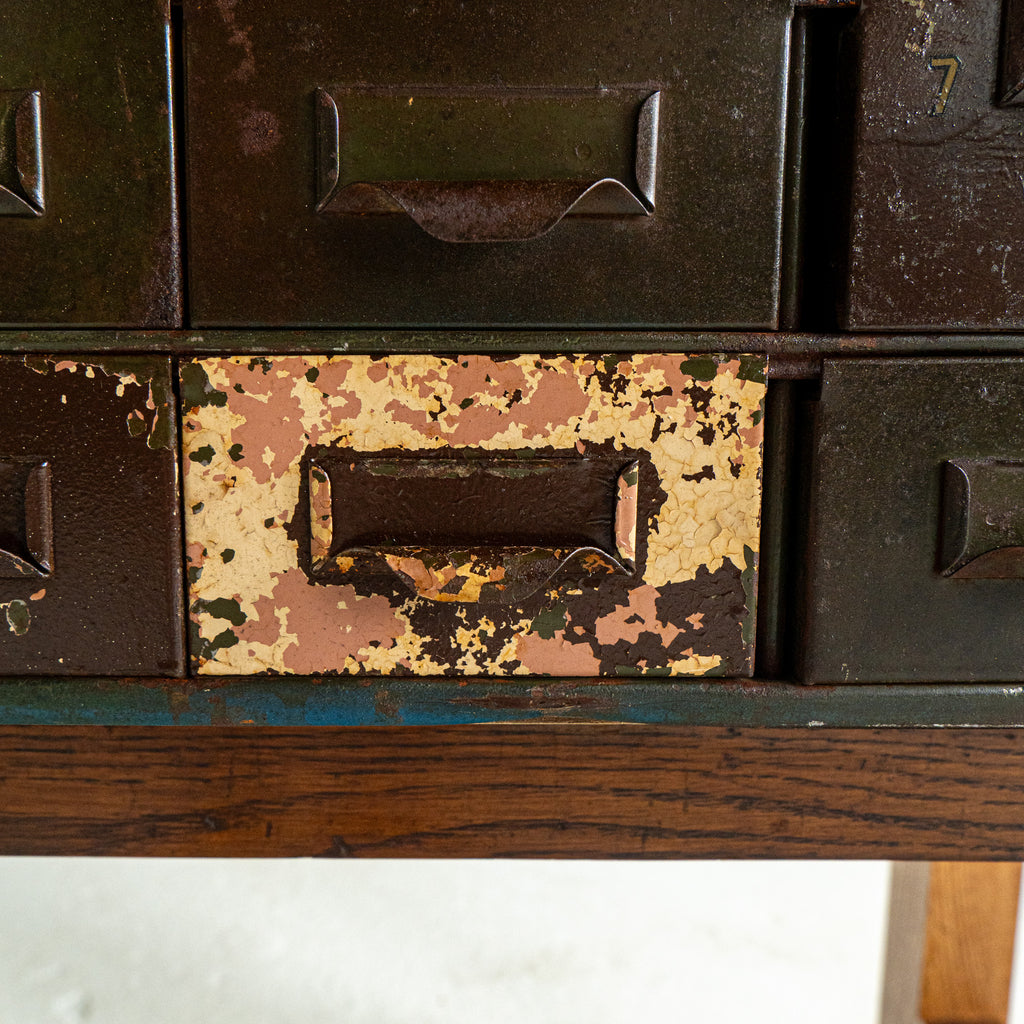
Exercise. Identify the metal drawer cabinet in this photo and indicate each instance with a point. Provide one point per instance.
(507, 465)
(88, 208)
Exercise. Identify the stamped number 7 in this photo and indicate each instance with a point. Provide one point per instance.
(951, 65)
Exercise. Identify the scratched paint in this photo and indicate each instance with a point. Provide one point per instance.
(151, 418)
(685, 515)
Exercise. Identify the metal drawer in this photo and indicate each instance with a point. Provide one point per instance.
(90, 538)
(490, 164)
(937, 215)
(479, 515)
(914, 565)
(88, 221)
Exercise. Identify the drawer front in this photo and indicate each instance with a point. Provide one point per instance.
(489, 164)
(915, 568)
(88, 225)
(419, 515)
(90, 539)
(938, 206)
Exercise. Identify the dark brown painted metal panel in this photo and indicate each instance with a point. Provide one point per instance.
(88, 224)
(90, 538)
(937, 208)
(346, 162)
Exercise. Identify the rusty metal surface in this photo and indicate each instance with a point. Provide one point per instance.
(878, 605)
(790, 353)
(86, 165)
(705, 254)
(90, 540)
(465, 590)
(487, 166)
(937, 212)
(469, 526)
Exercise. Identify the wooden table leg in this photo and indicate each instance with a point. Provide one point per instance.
(949, 955)
(968, 947)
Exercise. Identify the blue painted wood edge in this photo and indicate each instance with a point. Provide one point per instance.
(331, 702)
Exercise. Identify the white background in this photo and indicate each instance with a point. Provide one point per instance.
(121, 941)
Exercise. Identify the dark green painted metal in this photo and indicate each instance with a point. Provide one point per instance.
(329, 702)
(708, 255)
(878, 607)
(776, 512)
(983, 519)
(104, 249)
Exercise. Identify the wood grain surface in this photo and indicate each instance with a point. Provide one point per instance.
(544, 791)
(968, 947)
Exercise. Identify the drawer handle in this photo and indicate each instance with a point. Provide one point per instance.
(21, 154)
(26, 522)
(474, 529)
(487, 166)
(983, 519)
(1011, 66)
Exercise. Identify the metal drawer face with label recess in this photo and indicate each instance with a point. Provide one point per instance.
(915, 566)
(88, 214)
(516, 164)
(419, 515)
(937, 213)
(90, 536)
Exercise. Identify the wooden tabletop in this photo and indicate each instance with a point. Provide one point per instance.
(519, 790)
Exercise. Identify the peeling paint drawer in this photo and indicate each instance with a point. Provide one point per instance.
(90, 538)
(427, 516)
(502, 164)
(915, 568)
(88, 225)
(937, 214)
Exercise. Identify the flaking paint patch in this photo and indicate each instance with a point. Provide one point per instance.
(680, 612)
(152, 418)
(625, 513)
(16, 616)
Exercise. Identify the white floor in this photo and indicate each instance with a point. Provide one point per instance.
(348, 942)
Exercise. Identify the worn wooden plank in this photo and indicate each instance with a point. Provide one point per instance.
(570, 791)
(968, 945)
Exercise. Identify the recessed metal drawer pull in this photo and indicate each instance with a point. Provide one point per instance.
(21, 154)
(26, 521)
(476, 529)
(487, 165)
(983, 519)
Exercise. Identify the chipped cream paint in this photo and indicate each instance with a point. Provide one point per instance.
(433, 583)
(243, 447)
(919, 39)
(320, 516)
